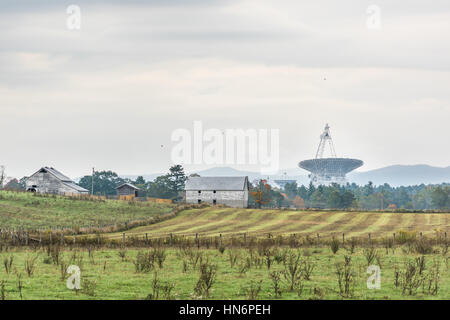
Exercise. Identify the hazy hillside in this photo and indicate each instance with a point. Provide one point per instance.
(403, 175)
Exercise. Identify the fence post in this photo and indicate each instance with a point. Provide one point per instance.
(196, 240)
(369, 237)
(98, 238)
(420, 234)
(445, 235)
(393, 239)
(171, 238)
(317, 240)
(146, 238)
(245, 238)
(28, 238)
(40, 238)
(343, 238)
(74, 238)
(62, 238)
(123, 238)
(51, 238)
(220, 239)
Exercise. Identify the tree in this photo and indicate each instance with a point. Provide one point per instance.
(439, 198)
(139, 181)
(334, 200)
(169, 186)
(261, 193)
(160, 188)
(105, 182)
(317, 200)
(347, 199)
(13, 184)
(23, 183)
(2, 176)
(177, 178)
(298, 202)
(291, 189)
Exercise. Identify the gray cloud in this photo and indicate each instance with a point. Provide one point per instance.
(149, 67)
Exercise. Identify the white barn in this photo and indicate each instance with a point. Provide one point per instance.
(50, 180)
(231, 191)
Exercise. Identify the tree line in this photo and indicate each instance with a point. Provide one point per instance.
(263, 194)
(370, 197)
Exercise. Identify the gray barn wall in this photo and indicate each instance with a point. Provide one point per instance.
(238, 199)
(47, 183)
(125, 190)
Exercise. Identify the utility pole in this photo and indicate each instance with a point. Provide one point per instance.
(92, 184)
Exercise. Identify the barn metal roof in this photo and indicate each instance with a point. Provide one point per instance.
(64, 179)
(56, 173)
(128, 184)
(216, 183)
(75, 186)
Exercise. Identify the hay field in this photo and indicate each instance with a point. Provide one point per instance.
(211, 221)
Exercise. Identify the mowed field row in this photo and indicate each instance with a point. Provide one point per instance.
(228, 221)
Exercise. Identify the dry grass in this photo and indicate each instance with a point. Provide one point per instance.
(211, 221)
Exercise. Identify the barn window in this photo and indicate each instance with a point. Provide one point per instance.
(214, 191)
(199, 191)
(214, 201)
(199, 201)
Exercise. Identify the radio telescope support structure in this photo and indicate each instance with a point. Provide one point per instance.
(325, 138)
(325, 171)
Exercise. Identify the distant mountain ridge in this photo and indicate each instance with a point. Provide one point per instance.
(395, 175)
(403, 175)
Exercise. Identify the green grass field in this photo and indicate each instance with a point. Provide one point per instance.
(211, 221)
(28, 211)
(105, 275)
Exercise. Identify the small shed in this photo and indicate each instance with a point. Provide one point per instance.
(127, 189)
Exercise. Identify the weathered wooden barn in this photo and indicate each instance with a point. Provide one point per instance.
(127, 189)
(231, 191)
(50, 180)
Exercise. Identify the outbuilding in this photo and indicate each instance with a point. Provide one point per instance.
(127, 189)
(50, 180)
(231, 191)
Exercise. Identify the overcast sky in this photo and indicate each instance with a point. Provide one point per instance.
(110, 94)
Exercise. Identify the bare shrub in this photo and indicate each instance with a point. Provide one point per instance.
(423, 247)
(232, 257)
(30, 265)
(122, 254)
(144, 262)
(293, 270)
(208, 273)
(159, 256)
(160, 288)
(334, 246)
(8, 263)
(346, 277)
(275, 276)
(410, 278)
(253, 289)
(370, 253)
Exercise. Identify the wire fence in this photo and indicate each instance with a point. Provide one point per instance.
(246, 239)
